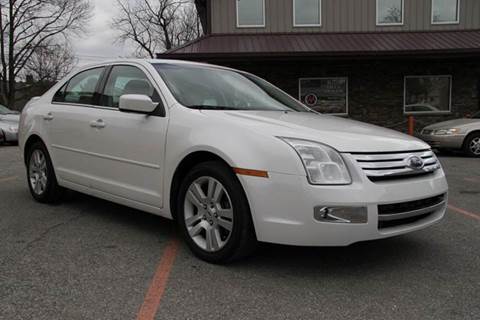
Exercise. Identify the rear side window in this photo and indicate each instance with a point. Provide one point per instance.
(81, 88)
(127, 80)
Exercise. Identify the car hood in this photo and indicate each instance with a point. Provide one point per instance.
(345, 135)
(452, 124)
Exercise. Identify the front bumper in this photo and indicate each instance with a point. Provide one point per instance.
(283, 207)
(444, 141)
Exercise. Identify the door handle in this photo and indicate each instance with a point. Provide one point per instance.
(48, 117)
(99, 124)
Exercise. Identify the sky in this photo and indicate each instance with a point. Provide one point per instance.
(98, 44)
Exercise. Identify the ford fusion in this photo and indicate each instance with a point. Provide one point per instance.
(230, 157)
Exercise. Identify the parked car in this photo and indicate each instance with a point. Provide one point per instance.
(231, 158)
(8, 125)
(460, 134)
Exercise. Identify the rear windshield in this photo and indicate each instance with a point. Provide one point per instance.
(203, 87)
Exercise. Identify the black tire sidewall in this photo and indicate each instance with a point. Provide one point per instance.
(241, 211)
(52, 190)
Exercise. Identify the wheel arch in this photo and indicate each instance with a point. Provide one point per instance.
(476, 131)
(28, 143)
(184, 166)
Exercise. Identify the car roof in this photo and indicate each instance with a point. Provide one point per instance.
(149, 61)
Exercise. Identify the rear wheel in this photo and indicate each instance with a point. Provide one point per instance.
(213, 214)
(41, 176)
(472, 145)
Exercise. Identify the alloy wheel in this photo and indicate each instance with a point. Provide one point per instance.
(208, 214)
(475, 146)
(37, 172)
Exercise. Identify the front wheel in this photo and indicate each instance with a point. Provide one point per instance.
(472, 145)
(214, 215)
(41, 176)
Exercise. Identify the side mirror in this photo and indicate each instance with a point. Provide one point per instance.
(136, 103)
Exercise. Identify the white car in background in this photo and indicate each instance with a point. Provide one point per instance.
(233, 159)
(8, 125)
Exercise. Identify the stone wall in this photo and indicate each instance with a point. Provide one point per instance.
(376, 88)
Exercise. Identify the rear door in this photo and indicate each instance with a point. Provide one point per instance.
(128, 148)
(67, 125)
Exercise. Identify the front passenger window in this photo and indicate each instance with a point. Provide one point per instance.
(82, 87)
(127, 80)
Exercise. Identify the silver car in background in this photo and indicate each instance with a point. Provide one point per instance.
(9, 121)
(460, 134)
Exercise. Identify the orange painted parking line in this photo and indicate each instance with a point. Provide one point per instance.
(157, 287)
(8, 179)
(464, 212)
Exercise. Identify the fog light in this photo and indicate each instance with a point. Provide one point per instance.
(341, 214)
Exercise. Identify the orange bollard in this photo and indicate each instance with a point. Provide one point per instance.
(411, 125)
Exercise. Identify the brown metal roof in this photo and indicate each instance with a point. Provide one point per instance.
(328, 44)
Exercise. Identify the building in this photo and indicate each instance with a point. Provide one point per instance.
(373, 60)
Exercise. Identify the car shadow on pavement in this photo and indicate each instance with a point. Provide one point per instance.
(364, 258)
(113, 213)
(368, 257)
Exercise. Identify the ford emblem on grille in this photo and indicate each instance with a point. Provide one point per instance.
(415, 163)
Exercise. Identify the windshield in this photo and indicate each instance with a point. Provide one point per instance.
(203, 87)
(5, 110)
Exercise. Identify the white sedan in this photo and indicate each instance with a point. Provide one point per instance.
(231, 158)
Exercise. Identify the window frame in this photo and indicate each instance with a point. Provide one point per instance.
(457, 21)
(97, 92)
(107, 78)
(160, 110)
(296, 25)
(391, 24)
(252, 25)
(347, 100)
(450, 95)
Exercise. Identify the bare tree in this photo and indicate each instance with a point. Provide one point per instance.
(26, 25)
(51, 62)
(156, 25)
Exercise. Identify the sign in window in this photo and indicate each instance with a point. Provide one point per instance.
(250, 13)
(389, 12)
(325, 95)
(445, 11)
(427, 94)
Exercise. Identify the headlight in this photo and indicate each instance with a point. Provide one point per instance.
(443, 132)
(323, 164)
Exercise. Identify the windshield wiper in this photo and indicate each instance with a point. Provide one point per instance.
(208, 107)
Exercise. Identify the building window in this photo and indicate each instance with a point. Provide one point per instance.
(307, 13)
(325, 95)
(428, 94)
(250, 13)
(390, 12)
(445, 11)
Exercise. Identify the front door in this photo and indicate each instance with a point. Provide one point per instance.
(128, 148)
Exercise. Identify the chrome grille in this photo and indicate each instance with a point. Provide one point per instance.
(386, 166)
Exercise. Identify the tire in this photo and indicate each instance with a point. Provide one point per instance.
(471, 146)
(41, 175)
(210, 218)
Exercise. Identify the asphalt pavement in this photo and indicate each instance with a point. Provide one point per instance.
(91, 259)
